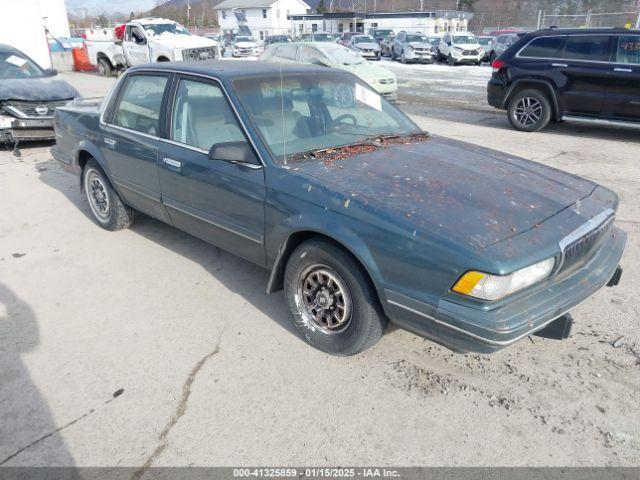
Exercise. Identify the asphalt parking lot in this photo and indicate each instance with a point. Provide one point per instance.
(148, 347)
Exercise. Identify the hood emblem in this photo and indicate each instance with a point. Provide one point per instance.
(42, 110)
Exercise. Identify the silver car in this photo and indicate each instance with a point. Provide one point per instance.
(366, 46)
(412, 47)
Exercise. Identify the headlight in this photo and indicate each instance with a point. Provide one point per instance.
(494, 287)
(459, 48)
(409, 47)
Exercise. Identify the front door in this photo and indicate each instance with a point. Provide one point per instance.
(582, 73)
(219, 201)
(136, 49)
(623, 91)
(130, 141)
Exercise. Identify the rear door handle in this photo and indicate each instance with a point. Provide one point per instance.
(623, 70)
(560, 65)
(110, 142)
(170, 162)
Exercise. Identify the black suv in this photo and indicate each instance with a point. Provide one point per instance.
(556, 74)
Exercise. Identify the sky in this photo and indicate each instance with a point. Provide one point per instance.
(108, 6)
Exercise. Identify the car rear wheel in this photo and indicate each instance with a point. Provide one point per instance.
(106, 206)
(334, 306)
(529, 111)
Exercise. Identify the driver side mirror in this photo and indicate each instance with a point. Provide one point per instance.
(235, 152)
(50, 72)
(323, 62)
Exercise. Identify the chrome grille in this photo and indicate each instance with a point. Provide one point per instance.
(580, 249)
(42, 109)
(199, 54)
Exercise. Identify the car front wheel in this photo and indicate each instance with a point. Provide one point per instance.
(106, 206)
(529, 111)
(334, 306)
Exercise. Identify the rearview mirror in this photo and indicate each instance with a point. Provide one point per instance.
(240, 152)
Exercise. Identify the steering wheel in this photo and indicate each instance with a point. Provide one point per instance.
(345, 116)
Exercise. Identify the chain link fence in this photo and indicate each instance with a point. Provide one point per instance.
(491, 21)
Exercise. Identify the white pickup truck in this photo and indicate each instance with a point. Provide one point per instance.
(149, 40)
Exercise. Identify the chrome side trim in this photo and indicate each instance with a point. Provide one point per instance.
(129, 130)
(254, 238)
(134, 188)
(499, 343)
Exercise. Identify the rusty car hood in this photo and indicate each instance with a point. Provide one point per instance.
(476, 195)
(36, 89)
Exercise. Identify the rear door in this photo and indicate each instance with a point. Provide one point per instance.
(581, 73)
(623, 91)
(217, 200)
(130, 140)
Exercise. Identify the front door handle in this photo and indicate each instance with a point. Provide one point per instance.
(110, 142)
(559, 65)
(170, 162)
(623, 70)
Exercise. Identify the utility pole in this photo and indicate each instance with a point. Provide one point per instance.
(638, 19)
(539, 19)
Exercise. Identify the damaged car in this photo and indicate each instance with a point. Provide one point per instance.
(29, 96)
(358, 215)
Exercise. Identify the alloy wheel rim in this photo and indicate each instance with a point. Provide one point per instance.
(528, 111)
(97, 195)
(323, 299)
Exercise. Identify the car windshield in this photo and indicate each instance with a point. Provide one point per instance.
(417, 39)
(300, 114)
(433, 40)
(486, 41)
(343, 56)
(244, 39)
(383, 33)
(363, 39)
(158, 29)
(279, 39)
(464, 39)
(16, 65)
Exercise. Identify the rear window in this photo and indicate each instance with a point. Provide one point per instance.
(595, 48)
(628, 50)
(543, 47)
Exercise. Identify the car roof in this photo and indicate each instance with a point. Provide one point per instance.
(228, 70)
(569, 31)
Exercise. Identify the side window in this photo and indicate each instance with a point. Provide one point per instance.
(628, 50)
(201, 116)
(543, 47)
(501, 40)
(595, 48)
(288, 52)
(310, 55)
(139, 104)
(137, 35)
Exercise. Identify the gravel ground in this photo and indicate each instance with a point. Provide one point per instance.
(149, 347)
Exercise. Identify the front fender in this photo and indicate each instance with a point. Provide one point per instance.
(328, 224)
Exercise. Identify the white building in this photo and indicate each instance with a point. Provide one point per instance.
(264, 17)
(23, 23)
(428, 23)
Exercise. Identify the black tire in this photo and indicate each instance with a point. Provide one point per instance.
(492, 57)
(393, 54)
(529, 110)
(107, 208)
(366, 322)
(104, 67)
(450, 61)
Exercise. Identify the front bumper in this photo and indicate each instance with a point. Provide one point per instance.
(422, 57)
(466, 329)
(18, 129)
(468, 58)
(245, 53)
